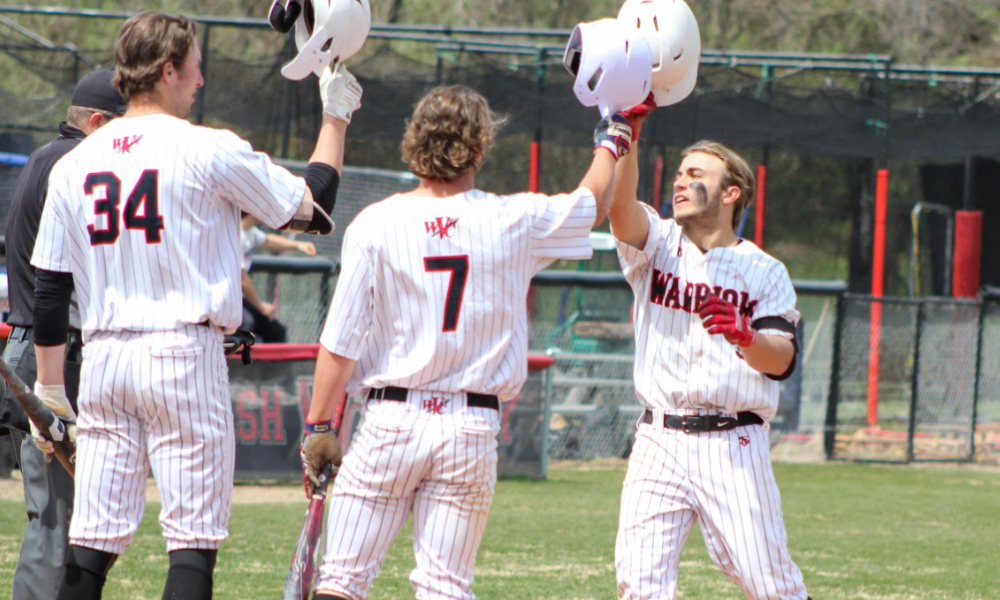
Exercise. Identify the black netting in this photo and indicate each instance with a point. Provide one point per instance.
(907, 385)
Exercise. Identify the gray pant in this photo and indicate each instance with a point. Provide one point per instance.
(48, 488)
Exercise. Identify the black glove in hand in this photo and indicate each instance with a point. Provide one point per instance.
(614, 134)
(318, 448)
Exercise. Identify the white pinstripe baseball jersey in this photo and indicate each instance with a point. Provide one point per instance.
(433, 299)
(433, 290)
(145, 215)
(670, 277)
(148, 207)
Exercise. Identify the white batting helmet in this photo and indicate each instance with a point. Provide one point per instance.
(611, 63)
(325, 31)
(671, 31)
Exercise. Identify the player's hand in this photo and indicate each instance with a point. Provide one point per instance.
(340, 92)
(319, 446)
(637, 115)
(307, 248)
(268, 310)
(54, 398)
(44, 444)
(723, 317)
(614, 134)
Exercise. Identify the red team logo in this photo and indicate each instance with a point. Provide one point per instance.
(744, 441)
(435, 406)
(442, 227)
(124, 145)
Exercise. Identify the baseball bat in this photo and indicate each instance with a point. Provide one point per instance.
(299, 583)
(44, 419)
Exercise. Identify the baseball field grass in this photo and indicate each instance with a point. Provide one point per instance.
(858, 531)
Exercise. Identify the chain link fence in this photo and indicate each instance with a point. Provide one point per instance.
(301, 288)
(913, 381)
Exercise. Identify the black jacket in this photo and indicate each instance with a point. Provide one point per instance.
(22, 222)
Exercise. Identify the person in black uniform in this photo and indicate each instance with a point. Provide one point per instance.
(48, 488)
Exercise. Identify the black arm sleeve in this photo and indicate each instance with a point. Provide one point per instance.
(53, 292)
(323, 181)
(781, 325)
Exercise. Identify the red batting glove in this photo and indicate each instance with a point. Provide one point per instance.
(723, 317)
(637, 115)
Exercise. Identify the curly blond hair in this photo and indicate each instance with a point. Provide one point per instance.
(451, 131)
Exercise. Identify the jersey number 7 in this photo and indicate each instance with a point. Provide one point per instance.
(459, 267)
(144, 195)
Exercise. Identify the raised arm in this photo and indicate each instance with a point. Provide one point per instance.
(612, 140)
(340, 94)
(629, 222)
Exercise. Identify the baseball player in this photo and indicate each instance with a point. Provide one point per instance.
(714, 333)
(429, 319)
(142, 218)
(48, 488)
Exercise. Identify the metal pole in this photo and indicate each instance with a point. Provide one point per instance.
(883, 150)
(830, 433)
(539, 123)
(200, 110)
(975, 379)
(286, 104)
(915, 386)
(543, 429)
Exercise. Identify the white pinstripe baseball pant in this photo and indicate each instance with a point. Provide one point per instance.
(725, 481)
(442, 467)
(155, 401)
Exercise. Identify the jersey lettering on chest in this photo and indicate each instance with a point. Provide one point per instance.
(669, 291)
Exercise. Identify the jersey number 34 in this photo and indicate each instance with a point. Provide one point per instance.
(144, 198)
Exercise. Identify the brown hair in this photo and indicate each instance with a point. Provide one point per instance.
(738, 173)
(450, 133)
(146, 42)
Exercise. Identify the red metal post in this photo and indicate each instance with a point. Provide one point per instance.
(534, 169)
(878, 288)
(967, 262)
(758, 233)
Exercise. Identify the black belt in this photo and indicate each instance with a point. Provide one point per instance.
(399, 394)
(701, 423)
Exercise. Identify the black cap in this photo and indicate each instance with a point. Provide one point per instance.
(95, 90)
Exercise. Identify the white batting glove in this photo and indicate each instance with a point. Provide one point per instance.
(340, 92)
(54, 398)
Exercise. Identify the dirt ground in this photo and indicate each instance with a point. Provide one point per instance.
(249, 493)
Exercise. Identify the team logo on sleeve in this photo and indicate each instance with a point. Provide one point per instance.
(443, 227)
(123, 145)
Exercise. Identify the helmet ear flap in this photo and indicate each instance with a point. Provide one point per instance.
(282, 18)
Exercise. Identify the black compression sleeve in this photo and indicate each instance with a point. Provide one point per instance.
(53, 291)
(323, 181)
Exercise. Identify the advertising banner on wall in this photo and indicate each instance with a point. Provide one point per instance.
(272, 393)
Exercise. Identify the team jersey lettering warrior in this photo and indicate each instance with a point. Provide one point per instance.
(714, 332)
(142, 219)
(429, 320)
